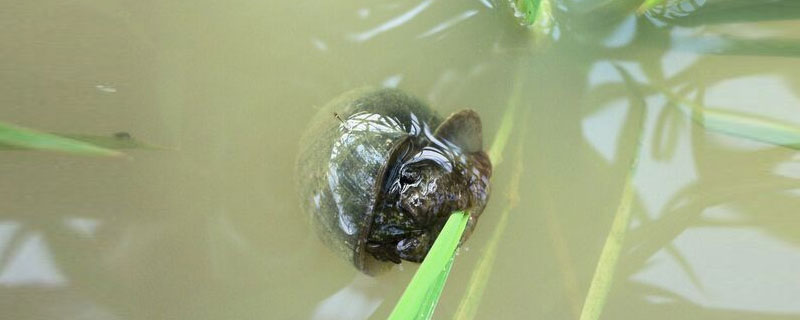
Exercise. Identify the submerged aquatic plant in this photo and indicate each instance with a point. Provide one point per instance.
(737, 124)
(647, 5)
(422, 293)
(16, 137)
(609, 256)
(468, 306)
(527, 10)
(535, 11)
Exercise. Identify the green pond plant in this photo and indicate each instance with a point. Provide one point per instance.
(422, 294)
(609, 256)
(420, 297)
(737, 124)
(18, 138)
(424, 290)
(13, 137)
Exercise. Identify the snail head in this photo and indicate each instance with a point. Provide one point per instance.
(446, 173)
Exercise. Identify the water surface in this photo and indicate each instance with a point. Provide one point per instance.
(211, 228)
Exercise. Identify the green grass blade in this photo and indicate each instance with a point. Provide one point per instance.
(468, 306)
(735, 46)
(741, 125)
(528, 9)
(647, 5)
(115, 142)
(604, 272)
(506, 124)
(537, 16)
(16, 137)
(612, 249)
(420, 297)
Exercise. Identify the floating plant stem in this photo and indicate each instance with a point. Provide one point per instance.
(16, 137)
(647, 5)
(737, 46)
(422, 293)
(537, 15)
(420, 297)
(609, 256)
(737, 124)
(480, 275)
(506, 124)
(528, 10)
(117, 141)
(468, 307)
(604, 272)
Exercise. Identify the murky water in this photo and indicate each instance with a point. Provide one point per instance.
(211, 229)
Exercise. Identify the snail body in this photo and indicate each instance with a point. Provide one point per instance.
(380, 173)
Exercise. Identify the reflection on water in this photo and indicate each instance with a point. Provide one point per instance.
(351, 302)
(723, 279)
(27, 260)
(212, 229)
(392, 23)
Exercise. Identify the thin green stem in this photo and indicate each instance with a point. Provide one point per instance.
(609, 256)
(16, 137)
(480, 276)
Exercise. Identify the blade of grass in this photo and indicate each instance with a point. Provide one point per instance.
(604, 272)
(729, 45)
(609, 256)
(506, 124)
(736, 124)
(537, 16)
(117, 141)
(16, 137)
(563, 256)
(468, 306)
(528, 9)
(422, 293)
(647, 5)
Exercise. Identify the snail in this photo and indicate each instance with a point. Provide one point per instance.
(379, 173)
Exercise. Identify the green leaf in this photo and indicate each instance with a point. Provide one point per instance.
(647, 5)
(537, 15)
(738, 124)
(420, 298)
(468, 306)
(120, 140)
(529, 10)
(609, 256)
(16, 137)
(422, 293)
(507, 123)
(728, 45)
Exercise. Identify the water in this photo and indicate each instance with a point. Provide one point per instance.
(211, 228)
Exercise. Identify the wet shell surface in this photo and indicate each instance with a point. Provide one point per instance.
(379, 173)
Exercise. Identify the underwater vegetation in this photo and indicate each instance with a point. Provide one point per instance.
(421, 295)
(545, 27)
